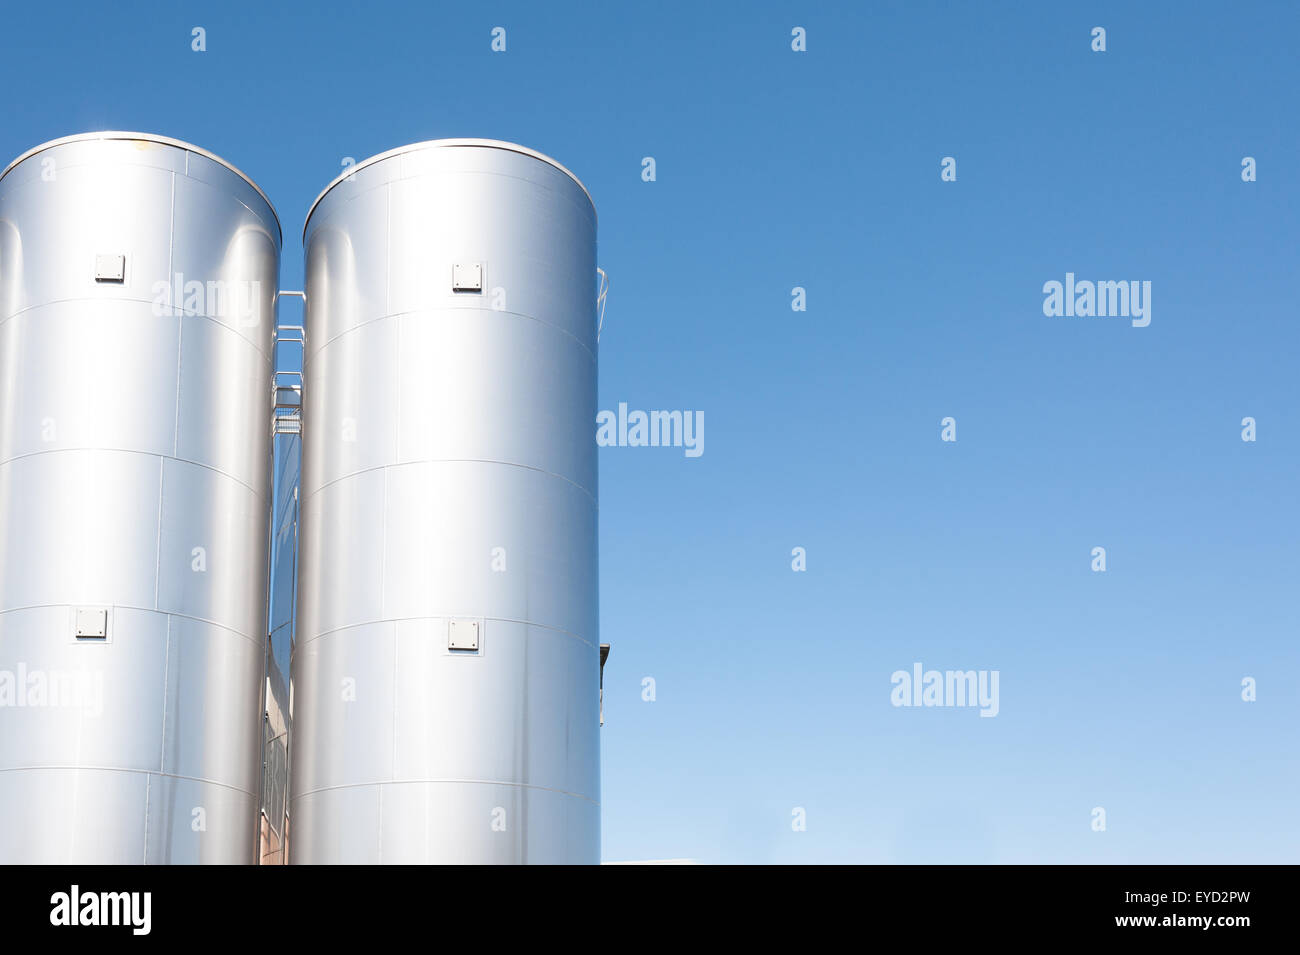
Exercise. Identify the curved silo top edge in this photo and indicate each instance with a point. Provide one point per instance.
(438, 144)
(148, 138)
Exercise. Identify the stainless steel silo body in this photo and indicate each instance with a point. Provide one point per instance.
(446, 664)
(137, 292)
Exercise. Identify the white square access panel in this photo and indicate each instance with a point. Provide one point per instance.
(92, 623)
(462, 635)
(110, 268)
(467, 277)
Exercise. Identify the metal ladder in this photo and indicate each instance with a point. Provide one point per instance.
(286, 386)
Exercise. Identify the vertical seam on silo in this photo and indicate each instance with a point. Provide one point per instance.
(162, 748)
(392, 772)
(180, 322)
(397, 395)
(388, 246)
(167, 662)
(148, 787)
(157, 551)
(383, 552)
(397, 456)
(392, 706)
(176, 410)
(162, 462)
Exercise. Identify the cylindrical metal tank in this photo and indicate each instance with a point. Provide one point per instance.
(446, 664)
(138, 281)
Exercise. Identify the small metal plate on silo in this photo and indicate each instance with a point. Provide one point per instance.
(110, 268)
(462, 635)
(467, 277)
(92, 623)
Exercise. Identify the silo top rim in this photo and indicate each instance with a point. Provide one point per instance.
(437, 143)
(149, 138)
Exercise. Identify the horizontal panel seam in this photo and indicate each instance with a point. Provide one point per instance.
(477, 782)
(313, 351)
(301, 641)
(172, 312)
(405, 464)
(150, 454)
(255, 641)
(123, 769)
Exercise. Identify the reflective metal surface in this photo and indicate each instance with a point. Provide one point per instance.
(448, 475)
(134, 472)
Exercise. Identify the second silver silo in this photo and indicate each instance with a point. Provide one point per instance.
(137, 293)
(446, 664)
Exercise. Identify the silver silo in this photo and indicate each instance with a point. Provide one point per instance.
(446, 664)
(137, 293)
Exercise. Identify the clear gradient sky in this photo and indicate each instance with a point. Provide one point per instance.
(821, 169)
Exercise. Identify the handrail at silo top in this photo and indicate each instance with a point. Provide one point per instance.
(600, 300)
(437, 144)
(148, 138)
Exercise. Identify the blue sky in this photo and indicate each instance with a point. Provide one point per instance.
(821, 169)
